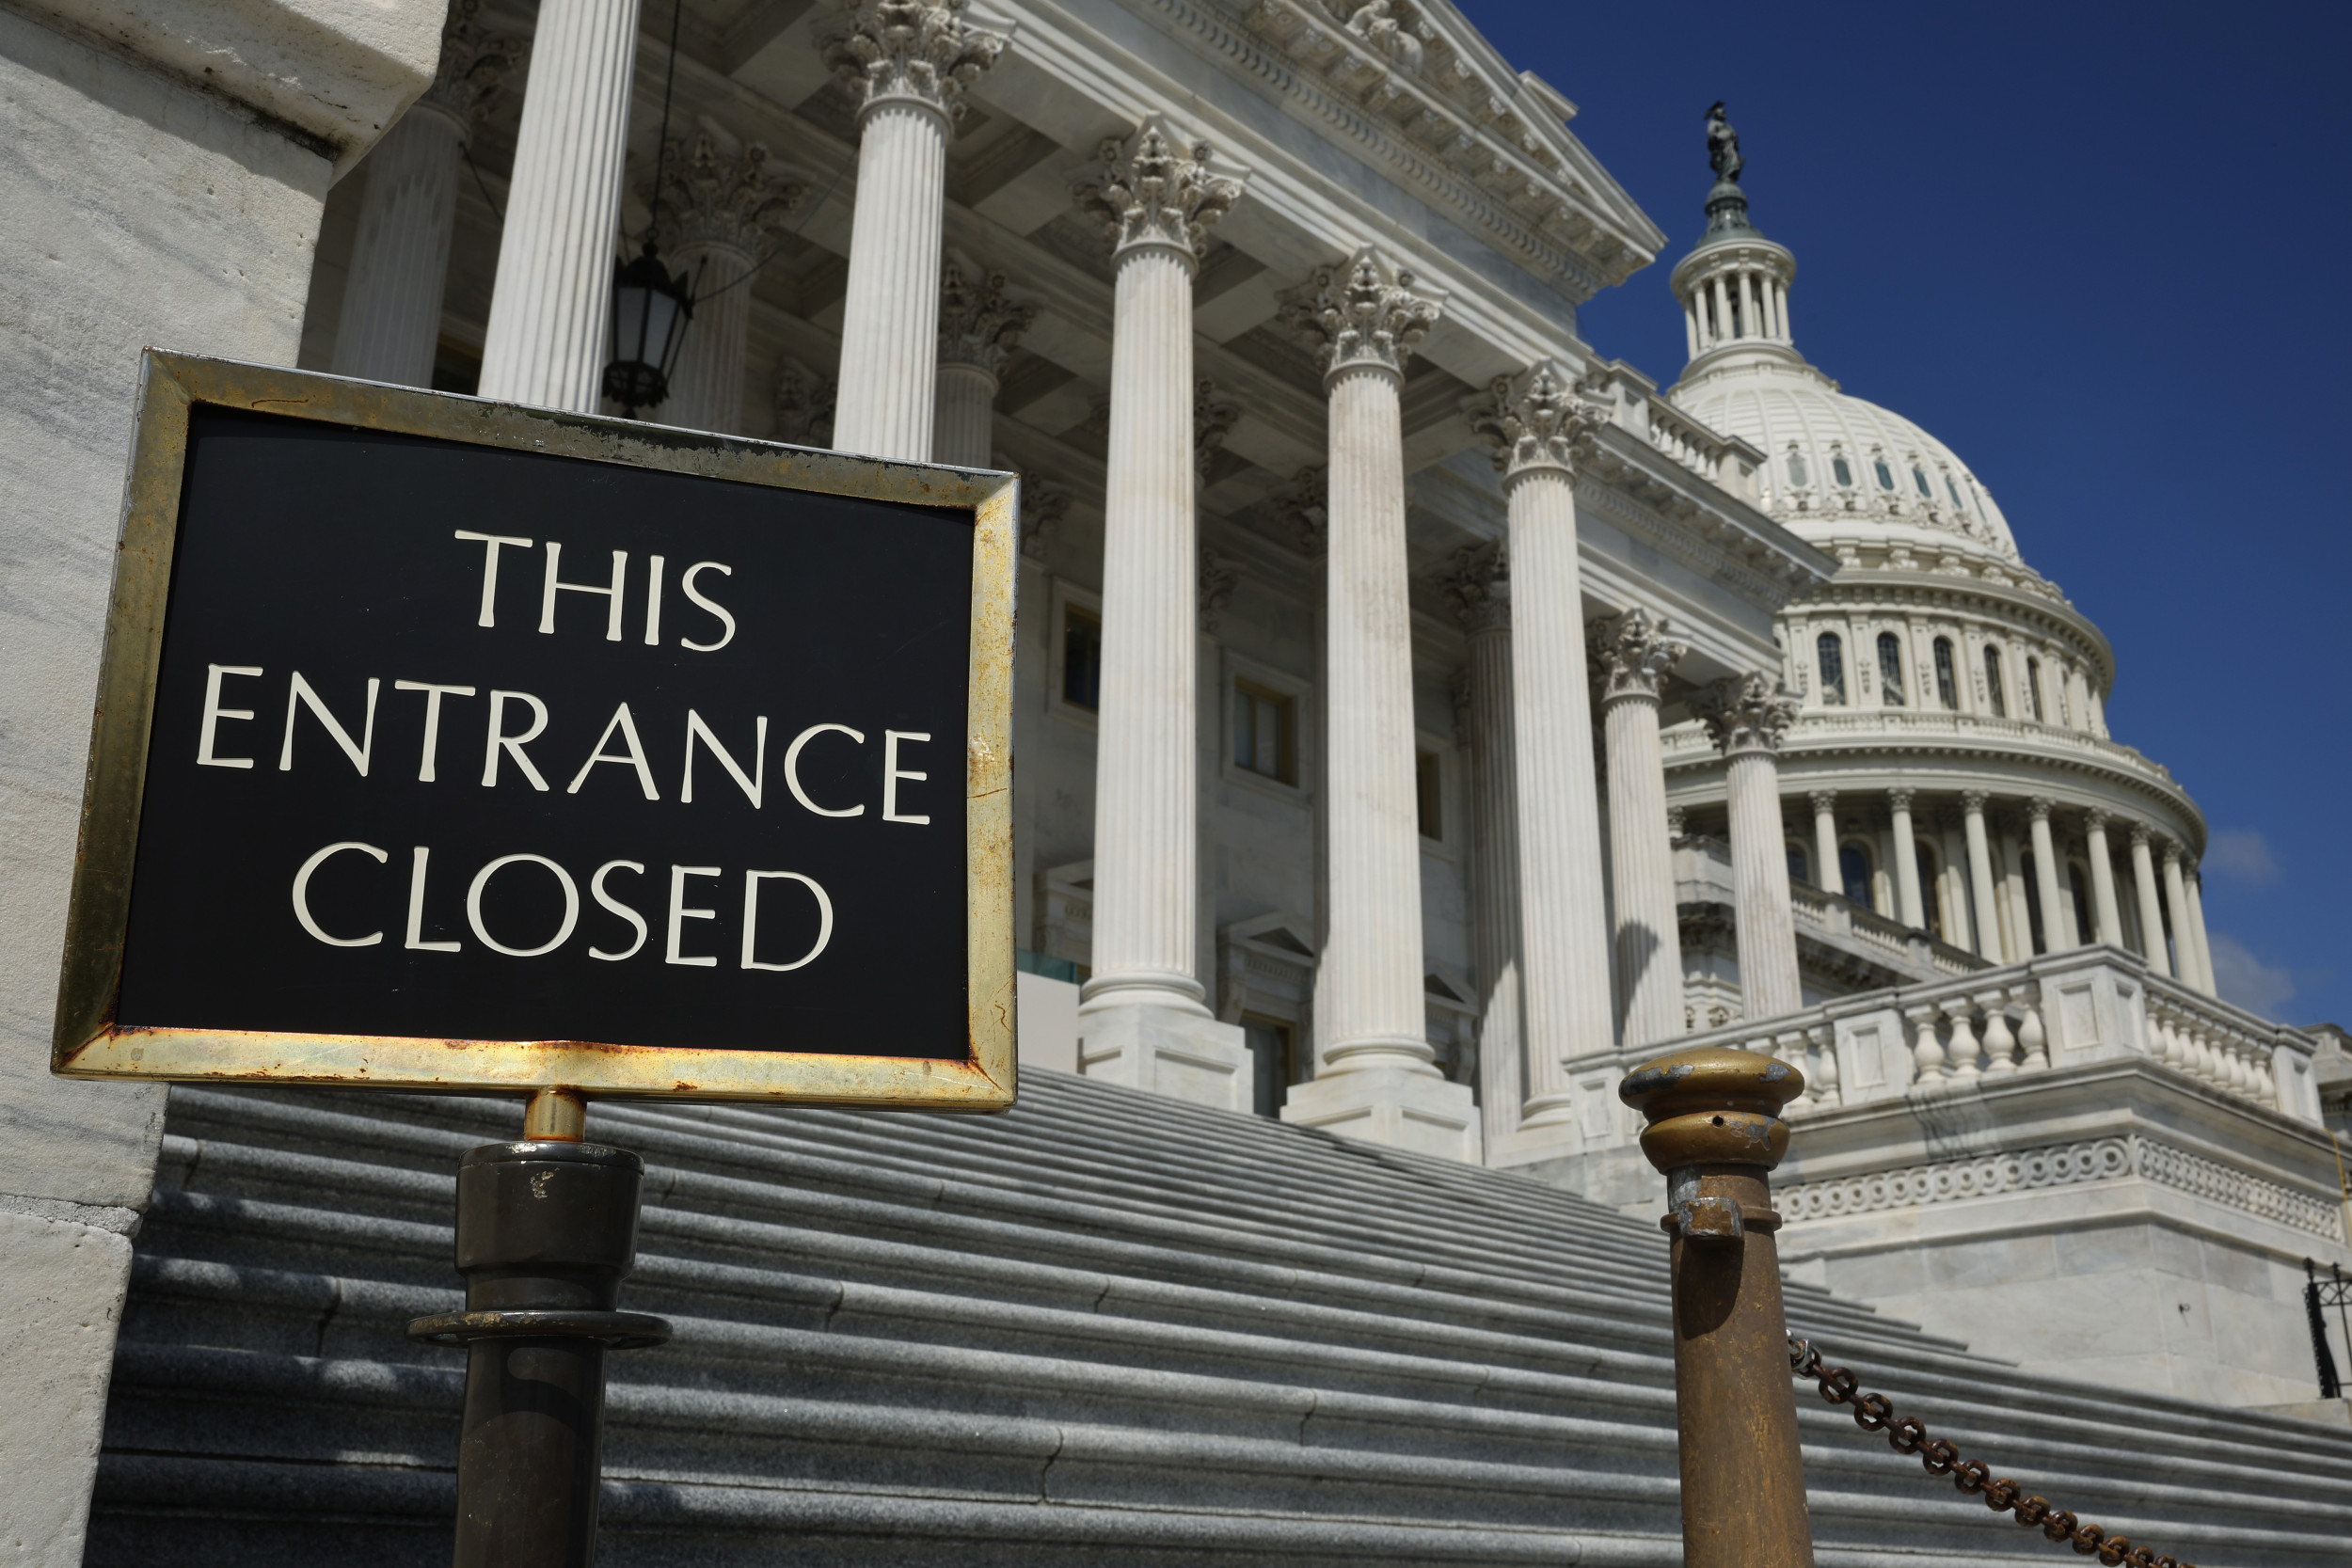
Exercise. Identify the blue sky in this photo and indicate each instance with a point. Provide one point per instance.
(2100, 250)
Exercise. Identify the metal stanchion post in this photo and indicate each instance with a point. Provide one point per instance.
(546, 1229)
(1715, 1130)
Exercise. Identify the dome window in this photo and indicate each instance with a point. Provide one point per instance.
(1919, 477)
(1831, 654)
(2033, 689)
(1887, 475)
(1855, 872)
(1953, 490)
(1993, 682)
(1891, 669)
(1798, 474)
(1947, 682)
(1841, 468)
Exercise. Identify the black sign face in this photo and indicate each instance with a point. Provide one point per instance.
(452, 742)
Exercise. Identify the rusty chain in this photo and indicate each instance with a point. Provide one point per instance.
(1875, 1413)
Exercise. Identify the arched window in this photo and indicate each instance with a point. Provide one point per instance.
(1800, 865)
(1930, 907)
(1887, 475)
(2079, 880)
(1854, 871)
(2033, 688)
(1798, 474)
(1891, 669)
(1947, 682)
(1844, 470)
(1919, 477)
(1832, 661)
(1993, 682)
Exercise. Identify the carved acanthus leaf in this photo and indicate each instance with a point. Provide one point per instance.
(1042, 508)
(1478, 585)
(1538, 419)
(1303, 508)
(474, 66)
(978, 323)
(1213, 418)
(710, 197)
(920, 50)
(1219, 576)
(804, 403)
(1746, 713)
(1363, 311)
(1154, 189)
(1632, 654)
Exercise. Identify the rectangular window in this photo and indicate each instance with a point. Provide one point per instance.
(1265, 733)
(2033, 689)
(1831, 654)
(1427, 792)
(1993, 682)
(1081, 657)
(1947, 684)
(1891, 668)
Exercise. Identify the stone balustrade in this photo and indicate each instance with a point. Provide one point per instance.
(1703, 876)
(2009, 736)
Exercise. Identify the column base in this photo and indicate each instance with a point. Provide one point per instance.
(1183, 1053)
(1393, 1105)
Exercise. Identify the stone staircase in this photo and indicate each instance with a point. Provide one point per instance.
(1103, 1329)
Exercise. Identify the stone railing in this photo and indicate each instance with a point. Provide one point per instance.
(1726, 461)
(2060, 1010)
(1687, 744)
(1703, 875)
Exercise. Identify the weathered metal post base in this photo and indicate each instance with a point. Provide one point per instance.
(546, 1229)
(1715, 1130)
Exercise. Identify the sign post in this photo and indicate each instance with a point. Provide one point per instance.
(444, 744)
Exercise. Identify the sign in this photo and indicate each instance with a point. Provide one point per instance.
(450, 744)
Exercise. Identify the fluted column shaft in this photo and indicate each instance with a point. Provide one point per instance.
(1829, 878)
(1632, 657)
(1145, 814)
(2151, 914)
(391, 312)
(1495, 879)
(963, 431)
(1375, 948)
(1910, 901)
(707, 385)
(1988, 917)
(548, 309)
(1767, 931)
(2056, 936)
(890, 317)
(2176, 907)
(2108, 919)
(2205, 981)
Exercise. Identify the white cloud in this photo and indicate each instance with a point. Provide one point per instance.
(2243, 855)
(2245, 979)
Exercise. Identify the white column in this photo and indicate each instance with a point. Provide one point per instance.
(1479, 586)
(1691, 325)
(390, 321)
(2058, 936)
(2108, 920)
(717, 208)
(1826, 875)
(2151, 914)
(1631, 655)
(1770, 288)
(2176, 910)
(2194, 883)
(548, 308)
(1141, 1020)
(1747, 715)
(1785, 335)
(1909, 903)
(1725, 331)
(1750, 315)
(977, 327)
(1988, 910)
(1376, 1080)
(908, 64)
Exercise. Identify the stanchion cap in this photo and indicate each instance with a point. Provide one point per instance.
(1712, 1106)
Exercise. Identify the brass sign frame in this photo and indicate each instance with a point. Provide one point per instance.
(89, 1044)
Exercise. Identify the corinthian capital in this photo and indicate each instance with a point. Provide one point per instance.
(1303, 506)
(1214, 418)
(1363, 313)
(1156, 190)
(1632, 654)
(710, 197)
(1478, 585)
(908, 51)
(1746, 713)
(1535, 419)
(475, 64)
(978, 324)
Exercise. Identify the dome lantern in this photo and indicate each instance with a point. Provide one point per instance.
(1734, 286)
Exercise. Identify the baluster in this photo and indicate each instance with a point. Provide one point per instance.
(2001, 1046)
(1963, 1037)
(2031, 1035)
(2265, 1079)
(2241, 1073)
(1926, 1050)
(1824, 1037)
(2164, 1040)
(2210, 1065)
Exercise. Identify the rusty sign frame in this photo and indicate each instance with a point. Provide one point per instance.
(89, 1044)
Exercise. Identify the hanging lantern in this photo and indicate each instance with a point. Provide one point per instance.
(650, 310)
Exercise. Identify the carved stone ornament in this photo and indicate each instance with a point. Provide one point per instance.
(2141, 834)
(1219, 576)
(1631, 655)
(978, 324)
(711, 197)
(1213, 418)
(2039, 807)
(1675, 817)
(1745, 713)
(1376, 23)
(908, 51)
(1042, 508)
(475, 64)
(1975, 799)
(1155, 191)
(2095, 821)
(1822, 800)
(1536, 419)
(1303, 507)
(1363, 313)
(1478, 585)
(804, 403)
(1899, 798)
